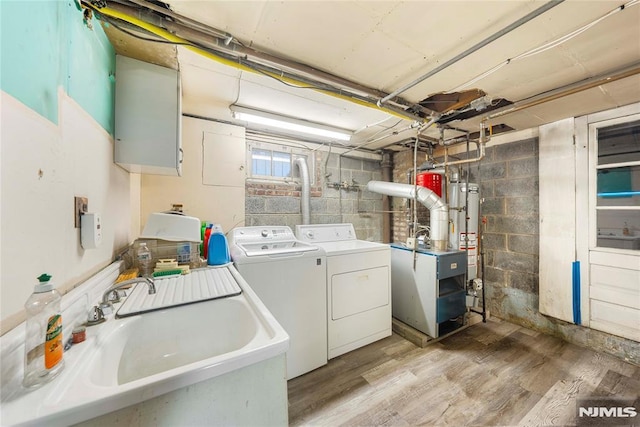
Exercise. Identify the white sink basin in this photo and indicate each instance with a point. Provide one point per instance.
(163, 340)
(129, 360)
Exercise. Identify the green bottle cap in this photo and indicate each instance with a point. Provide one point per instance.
(44, 277)
(44, 284)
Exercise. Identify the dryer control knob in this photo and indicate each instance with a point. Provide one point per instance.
(264, 233)
(310, 234)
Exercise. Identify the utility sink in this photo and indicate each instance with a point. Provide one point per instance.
(170, 339)
(126, 361)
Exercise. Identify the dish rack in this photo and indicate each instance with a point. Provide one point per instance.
(185, 253)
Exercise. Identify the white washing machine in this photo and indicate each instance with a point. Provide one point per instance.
(289, 277)
(358, 286)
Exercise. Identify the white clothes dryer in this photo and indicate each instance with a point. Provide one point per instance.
(358, 286)
(289, 277)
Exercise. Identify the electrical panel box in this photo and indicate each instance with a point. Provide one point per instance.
(147, 118)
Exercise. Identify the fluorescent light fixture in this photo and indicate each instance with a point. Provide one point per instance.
(288, 124)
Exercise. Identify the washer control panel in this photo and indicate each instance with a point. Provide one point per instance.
(326, 232)
(262, 233)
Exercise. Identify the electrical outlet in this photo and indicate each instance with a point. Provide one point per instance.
(81, 205)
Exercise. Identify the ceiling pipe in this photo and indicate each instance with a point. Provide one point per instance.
(548, 96)
(406, 141)
(481, 143)
(567, 90)
(456, 140)
(380, 138)
(170, 13)
(209, 40)
(551, 95)
(474, 48)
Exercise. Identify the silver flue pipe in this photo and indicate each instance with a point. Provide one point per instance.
(439, 211)
(305, 194)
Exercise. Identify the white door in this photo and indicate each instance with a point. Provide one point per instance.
(612, 297)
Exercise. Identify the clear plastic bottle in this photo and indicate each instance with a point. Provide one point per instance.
(44, 344)
(145, 262)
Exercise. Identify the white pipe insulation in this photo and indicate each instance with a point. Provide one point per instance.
(439, 211)
(305, 194)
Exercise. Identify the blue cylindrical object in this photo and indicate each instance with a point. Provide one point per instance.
(218, 251)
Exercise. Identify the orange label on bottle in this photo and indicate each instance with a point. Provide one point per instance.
(53, 346)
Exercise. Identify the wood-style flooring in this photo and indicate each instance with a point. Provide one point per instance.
(490, 374)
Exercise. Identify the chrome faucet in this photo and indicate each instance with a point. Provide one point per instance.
(107, 296)
(97, 313)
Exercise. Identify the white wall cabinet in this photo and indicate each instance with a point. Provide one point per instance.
(147, 118)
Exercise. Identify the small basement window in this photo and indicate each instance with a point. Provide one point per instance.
(270, 163)
(274, 162)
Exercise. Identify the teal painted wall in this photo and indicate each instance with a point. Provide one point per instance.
(45, 45)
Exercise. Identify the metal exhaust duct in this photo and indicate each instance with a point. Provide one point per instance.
(305, 194)
(439, 211)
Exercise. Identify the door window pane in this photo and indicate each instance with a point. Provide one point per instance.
(618, 186)
(619, 183)
(619, 143)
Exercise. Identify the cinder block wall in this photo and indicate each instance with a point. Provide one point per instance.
(508, 179)
(279, 204)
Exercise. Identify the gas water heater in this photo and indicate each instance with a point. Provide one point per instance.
(463, 227)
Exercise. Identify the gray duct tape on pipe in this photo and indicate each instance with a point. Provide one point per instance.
(439, 211)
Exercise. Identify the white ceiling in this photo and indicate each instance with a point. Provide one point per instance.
(386, 44)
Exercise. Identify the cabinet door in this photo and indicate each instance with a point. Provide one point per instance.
(224, 157)
(147, 118)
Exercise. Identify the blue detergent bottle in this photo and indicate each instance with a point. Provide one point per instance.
(218, 251)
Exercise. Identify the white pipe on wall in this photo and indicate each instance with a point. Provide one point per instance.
(439, 211)
(305, 195)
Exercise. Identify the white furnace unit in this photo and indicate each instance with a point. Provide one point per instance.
(358, 286)
(429, 289)
(289, 277)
